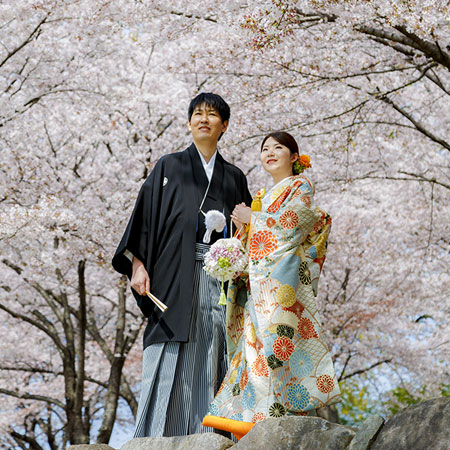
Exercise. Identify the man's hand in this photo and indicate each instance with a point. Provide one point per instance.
(140, 280)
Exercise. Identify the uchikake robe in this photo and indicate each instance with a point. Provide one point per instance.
(163, 229)
(279, 362)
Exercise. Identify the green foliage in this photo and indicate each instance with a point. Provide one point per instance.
(356, 403)
(402, 397)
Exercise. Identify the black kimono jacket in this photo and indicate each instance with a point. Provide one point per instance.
(163, 229)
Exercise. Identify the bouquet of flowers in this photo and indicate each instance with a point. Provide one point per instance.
(225, 259)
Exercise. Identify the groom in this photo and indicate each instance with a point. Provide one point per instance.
(162, 252)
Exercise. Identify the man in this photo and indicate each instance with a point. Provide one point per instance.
(161, 251)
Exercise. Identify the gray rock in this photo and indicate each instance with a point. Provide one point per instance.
(367, 433)
(329, 413)
(208, 441)
(425, 426)
(299, 433)
(89, 447)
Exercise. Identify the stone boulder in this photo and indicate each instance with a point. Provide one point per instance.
(207, 441)
(90, 447)
(425, 426)
(367, 433)
(299, 433)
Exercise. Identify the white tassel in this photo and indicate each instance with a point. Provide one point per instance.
(214, 221)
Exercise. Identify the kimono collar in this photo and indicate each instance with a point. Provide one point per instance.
(208, 166)
(199, 174)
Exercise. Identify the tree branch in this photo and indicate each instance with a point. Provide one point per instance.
(419, 126)
(25, 42)
(192, 16)
(40, 398)
(410, 40)
(32, 443)
(54, 337)
(360, 371)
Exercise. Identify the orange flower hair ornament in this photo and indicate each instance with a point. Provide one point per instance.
(302, 163)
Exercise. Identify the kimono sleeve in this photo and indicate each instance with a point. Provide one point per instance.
(138, 237)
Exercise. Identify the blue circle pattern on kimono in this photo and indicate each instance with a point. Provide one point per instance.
(237, 416)
(286, 271)
(301, 363)
(298, 396)
(248, 397)
(213, 410)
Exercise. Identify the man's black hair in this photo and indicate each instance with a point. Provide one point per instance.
(213, 100)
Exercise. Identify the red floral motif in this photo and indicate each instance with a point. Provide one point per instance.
(289, 219)
(276, 205)
(244, 380)
(260, 367)
(270, 222)
(258, 417)
(297, 308)
(283, 348)
(261, 244)
(325, 384)
(306, 329)
(306, 199)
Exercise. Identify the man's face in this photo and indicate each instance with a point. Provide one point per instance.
(206, 124)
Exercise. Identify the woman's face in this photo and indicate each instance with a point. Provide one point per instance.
(277, 159)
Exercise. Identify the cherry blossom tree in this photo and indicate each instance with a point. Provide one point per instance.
(93, 93)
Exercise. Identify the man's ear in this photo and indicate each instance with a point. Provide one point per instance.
(189, 125)
(224, 126)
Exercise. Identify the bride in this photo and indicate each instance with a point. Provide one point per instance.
(279, 363)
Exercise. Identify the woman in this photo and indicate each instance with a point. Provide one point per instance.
(279, 363)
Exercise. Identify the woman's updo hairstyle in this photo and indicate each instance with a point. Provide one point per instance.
(283, 138)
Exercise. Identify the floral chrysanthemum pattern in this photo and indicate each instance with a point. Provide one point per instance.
(278, 363)
(298, 396)
(306, 329)
(271, 222)
(301, 363)
(289, 219)
(261, 244)
(244, 379)
(277, 410)
(286, 295)
(303, 273)
(258, 417)
(259, 367)
(285, 330)
(325, 384)
(283, 348)
(273, 362)
(248, 397)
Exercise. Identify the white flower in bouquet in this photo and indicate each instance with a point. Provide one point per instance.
(225, 259)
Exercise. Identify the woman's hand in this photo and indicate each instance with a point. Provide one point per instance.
(140, 280)
(241, 215)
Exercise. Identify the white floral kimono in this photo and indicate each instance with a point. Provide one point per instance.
(279, 363)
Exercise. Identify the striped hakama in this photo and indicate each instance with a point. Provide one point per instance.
(180, 379)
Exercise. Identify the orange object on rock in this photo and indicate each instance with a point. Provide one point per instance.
(238, 428)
